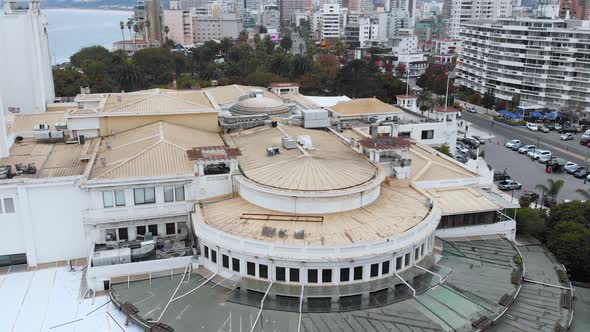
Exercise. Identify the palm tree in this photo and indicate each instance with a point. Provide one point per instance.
(147, 29)
(166, 31)
(585, 193)
(135, 31)
(129, 26)
(129, 76)
(122, 25)
(243, 37)
(552, 189)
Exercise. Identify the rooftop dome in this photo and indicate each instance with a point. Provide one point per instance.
(260, 105)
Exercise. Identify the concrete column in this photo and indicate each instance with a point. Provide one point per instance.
(24, 212)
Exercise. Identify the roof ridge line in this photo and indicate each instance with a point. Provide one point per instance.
(130, 159)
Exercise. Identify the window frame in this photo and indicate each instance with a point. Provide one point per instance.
(173, 228)
(225, 261)
(282, 274)
(327, 275)
(294, 274)
(251, 269)
(263, 271)
(312, 276)
(345, 275)
(354, 273)
(143, 191)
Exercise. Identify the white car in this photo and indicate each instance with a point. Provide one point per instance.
(570, 166)
(567, 137)
(545, 157)
(526, 148)
(510, 144)
(532, 126)
(541, 153)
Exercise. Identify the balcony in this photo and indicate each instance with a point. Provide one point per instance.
(137, 212)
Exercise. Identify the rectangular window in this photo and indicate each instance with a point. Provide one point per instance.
(214, 256)
(344, 274)
(262, 271)
(119, 198)
(417, 254)
(427, 134)
(140, 230)
(312, 276)
(398, 263)
(168, 194)
(407, 260)
(107, 199)
(280, 273)
(374, 270)
(123, 234)
(153, 229)
(251, 269)
(385, 267)
(235, 264)
(358, 273)
(170, 228)
(206, 251)
(293, 275)
(144, 196)
(326, 275)
(225, 261)
(179, 193)
(422, 250)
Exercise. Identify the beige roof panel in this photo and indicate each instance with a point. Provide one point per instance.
(427, 165)
(461, 200)
(157, 149)
(363, 106)
(23, 123)
(330, 165)
(231, 93)
(371, 223)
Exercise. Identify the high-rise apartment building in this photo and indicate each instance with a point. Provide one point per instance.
(225, 25)
(544, 61)
(150, 11)
(288, 7)
(330, 21)
(459, 11)
(576, 9)
(180, 26)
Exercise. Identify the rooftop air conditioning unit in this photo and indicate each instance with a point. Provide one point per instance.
(272, 151)
(305, 141)
(61, 126)
(41, 126)
(289, 143)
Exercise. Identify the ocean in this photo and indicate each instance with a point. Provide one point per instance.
(72, 29)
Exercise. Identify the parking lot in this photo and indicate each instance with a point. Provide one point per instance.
(523, 169)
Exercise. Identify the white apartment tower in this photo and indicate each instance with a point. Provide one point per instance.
(459, 11)
(544, 61)
(330, 21)
(25, 67)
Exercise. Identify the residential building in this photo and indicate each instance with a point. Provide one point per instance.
(446, 46)
(573, 9)
(271, 17)
(298, 16)
(405, 43)
(27, 80)
(224, 25)
(132, 46)
(428, 29)
(180, 25)
(150, 11)
(459, 11)
(406, 6)
(544, 61)
(330, 21)
(288, 7)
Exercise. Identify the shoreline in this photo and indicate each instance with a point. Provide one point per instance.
(103, 10)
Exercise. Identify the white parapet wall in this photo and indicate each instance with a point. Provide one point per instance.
(505, 229)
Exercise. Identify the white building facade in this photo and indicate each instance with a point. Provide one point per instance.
(544, 61)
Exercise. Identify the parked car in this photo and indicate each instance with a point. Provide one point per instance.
(557, 126)
(582, 173)
(545, 157)
(462, 159)
(567, 137)
(574, 170)
(470, 142)
(541, 153)
(532, 126)
(517, 146)
(526, 148)
(479, 139)
(567, 129)
(471, 110)
(501, 176)
(570, 166)
(585, 140)
(509, 185)
(509, 144)
(531, 196)
(543, 129)
(462, 148)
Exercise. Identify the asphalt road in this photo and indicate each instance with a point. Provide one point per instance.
(297, 40)
(520, 167)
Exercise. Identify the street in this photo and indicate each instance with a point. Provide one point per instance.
(520, 167)
(298, 46)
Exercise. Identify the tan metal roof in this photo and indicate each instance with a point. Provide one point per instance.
(51, 159)
(428, 165)
(155, 101)
(157, 149)
(231, 93)
(371, 223)
(330, 165)
(462, 200)
(363, 106)
(23, 123)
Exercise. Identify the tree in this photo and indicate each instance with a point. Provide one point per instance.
(157, 64)
(210, 73)
(129, 27)
(301, 65)
(146, 34)
(243, 36)
(424, 97)
(444, 149)
(129, 77)
(269, 45)
(339, 48)
(286, 43)
(166, 31)
(67, 82)
(389, 87)
(357, 79)
(261, 78)
(122, 26)
(530, 221)
(135, 31)
(475, 99)
(501, 105)
(400, 69)
(90, 54)
(552, 189)
(488, 101)
(570, 243)
(280, 65)
(515, 102)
